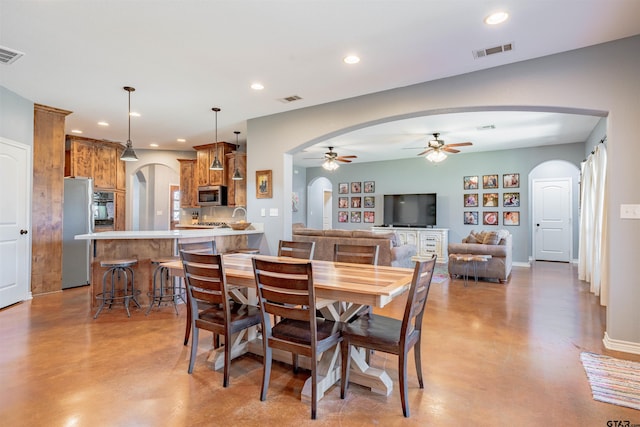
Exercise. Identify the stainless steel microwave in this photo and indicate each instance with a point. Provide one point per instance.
(212, 195)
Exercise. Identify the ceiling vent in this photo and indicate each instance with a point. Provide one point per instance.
(289, 99)
(477, 54)
(8, 56)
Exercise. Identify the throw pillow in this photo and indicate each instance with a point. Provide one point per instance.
(475, 237)
(491, 238)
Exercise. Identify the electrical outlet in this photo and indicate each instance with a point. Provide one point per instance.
(273, 212)
(630, 211)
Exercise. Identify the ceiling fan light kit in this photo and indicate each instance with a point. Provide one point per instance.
(436, 150)
(216, 165)
(129, 155)
(436, 156)
(330, 165)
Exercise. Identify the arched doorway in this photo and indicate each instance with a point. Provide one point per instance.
(151, 197)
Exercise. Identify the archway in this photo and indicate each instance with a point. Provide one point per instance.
(151, 197)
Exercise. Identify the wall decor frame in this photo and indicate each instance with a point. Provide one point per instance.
(356, 216)
(510, 218)
(343, 188)
(356, 202)
(490, 218)
(369, 217)
(471, 217)
(490, 200)
(343, 202)
(490, 181)
(369, 186)
(471, 200)
(369, 202)
(356, 187)
(264, 184)
(511, 200)
(470, 182)
(511, 180)
(343, 216)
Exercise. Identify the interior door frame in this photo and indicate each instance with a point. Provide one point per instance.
(569, 180)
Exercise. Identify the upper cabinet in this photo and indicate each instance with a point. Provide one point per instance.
(236, 190)
(188, 187)
(95, 159)
(205, 156)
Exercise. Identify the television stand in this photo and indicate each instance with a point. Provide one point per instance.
(428, 241)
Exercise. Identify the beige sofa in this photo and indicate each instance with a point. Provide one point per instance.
(498, 244)
(389, 253)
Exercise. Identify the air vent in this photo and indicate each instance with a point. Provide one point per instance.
(8, 56)
(290, 99)
(486, 127)
(477, 54)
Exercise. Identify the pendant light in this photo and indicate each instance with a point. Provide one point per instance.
(237, 176)
(216, 165)
(128, 155)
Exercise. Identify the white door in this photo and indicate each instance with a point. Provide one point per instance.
(327, 208)
(15, 221)
(552, 219)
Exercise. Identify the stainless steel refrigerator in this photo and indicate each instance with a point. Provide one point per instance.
(77, 219)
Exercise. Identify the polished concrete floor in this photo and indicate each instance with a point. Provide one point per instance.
(493, 355)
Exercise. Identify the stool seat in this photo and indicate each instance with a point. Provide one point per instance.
(120, 271)
(161, 260)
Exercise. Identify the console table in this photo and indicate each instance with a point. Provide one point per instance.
(428, 241)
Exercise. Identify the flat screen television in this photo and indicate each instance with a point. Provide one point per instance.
(410, 210)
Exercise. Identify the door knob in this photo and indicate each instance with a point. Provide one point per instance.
(23, 231)
(537, 225)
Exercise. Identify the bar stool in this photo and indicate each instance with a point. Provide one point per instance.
(164, 289)
(118, 270)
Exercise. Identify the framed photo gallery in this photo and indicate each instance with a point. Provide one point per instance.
(355, 196)
(491, 199)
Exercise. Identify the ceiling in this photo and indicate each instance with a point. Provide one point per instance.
(185, 57)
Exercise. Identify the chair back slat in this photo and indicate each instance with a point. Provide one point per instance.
(205, 279)
(288, 312)
(302, 250)
(206, 247)
(356, 254)
(417, 298)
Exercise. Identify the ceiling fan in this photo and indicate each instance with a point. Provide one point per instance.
(436, 149)
(331, 159)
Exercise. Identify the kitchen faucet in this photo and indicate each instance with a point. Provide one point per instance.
(233, 215)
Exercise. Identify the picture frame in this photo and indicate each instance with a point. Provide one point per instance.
(369, 187)
(471, 200)
(369, 202)
(343, 188)
(511, 180)
(356, 187)
(264, 184)
(356, 216)
(490, 218)
(490, 200)
(470, 182)
(510, 218)
(343, 202)
(471, 217)
(356, 202)
(343, 216)
(490, 181)
(511, 200)
(369, 217)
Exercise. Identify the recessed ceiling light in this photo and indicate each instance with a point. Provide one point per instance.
(103, 124)
(134, 114)
(76, 131)
(351, 59)
(496, 18)
(153, 144)
(257, 86)
(181, 140)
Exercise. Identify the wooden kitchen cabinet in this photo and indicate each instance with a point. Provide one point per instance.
(204, 156)
(188, 185)
(95, 159)
(236, 190)
(119, 223)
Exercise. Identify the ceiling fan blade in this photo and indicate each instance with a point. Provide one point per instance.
(346, 157)
(460, 144)
(450, 150)
(338, 159)
(425, 152)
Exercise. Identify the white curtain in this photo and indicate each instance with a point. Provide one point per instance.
(592, 262)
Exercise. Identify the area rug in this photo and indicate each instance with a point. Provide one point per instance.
(440, 274)
(613, 380)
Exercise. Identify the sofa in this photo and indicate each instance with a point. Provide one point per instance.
(497, 243)
(390, 252)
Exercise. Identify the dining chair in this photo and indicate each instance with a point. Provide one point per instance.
(208, 247)
(302, 250)
(390, 335)
(285, 290)
(211, 307)
(356, 254)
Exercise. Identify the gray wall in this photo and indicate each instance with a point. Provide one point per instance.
(16, 117)
(599, 79)
(416, 175)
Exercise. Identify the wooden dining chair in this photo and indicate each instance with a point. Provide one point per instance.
(356, 254)
(211, 307)
(303, 250)
(393, 336)
(207, 247)
(286, 290)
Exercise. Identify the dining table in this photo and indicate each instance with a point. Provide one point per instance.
(342, 290)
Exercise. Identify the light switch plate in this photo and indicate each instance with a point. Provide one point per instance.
(273, 212)
(630, 211)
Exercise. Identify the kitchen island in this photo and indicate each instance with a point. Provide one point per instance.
(148, 245)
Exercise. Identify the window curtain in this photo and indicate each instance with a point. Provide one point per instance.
(592, 260)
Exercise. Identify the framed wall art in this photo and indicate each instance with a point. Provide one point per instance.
(470, 182)
(471, 217)
(343, 202)
(343, 188)
(511, 218)
(264, 184)
(356, 216)
(489, 181)
(369, 186)
(490, 200)
(471, 200)
(356, 187)
(369, 217)
(511, 180)
(356, 202)
(369, 202)
(511, 200)
(489, 218)
(343, 216)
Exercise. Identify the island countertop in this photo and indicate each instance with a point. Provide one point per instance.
(170, 234)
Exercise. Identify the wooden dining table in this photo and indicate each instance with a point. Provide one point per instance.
(342, 289)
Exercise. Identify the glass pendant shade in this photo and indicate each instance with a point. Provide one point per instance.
(216, 165)
(129, 155)
(237, 176)
(330, 165)
(436, 156)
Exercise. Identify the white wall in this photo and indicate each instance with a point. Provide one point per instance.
(600, 78)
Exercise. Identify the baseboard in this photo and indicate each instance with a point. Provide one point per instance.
(619, 345)
(521, 264)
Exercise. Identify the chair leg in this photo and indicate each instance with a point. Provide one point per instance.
(266, 372)
(227, 357)
(294, 360)
(418, 355)
(345, 348)
(314, 386)
(194, 349)
(402, 373)
(187, 330)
